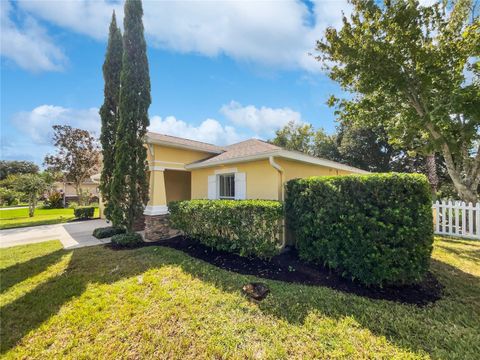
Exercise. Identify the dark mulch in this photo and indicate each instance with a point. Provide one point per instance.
(289, 268)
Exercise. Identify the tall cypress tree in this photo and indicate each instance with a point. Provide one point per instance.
(109, 112)
(129, 190)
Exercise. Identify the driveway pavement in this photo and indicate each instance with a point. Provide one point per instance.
(72, 235)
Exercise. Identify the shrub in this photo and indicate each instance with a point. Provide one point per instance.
(9, 197)
(54, 200)
(84, 212)
(129, 240)
(106, 232)
(73, 205)
(246, 227)
(374, 228)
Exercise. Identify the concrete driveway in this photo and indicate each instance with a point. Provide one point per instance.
(72, 235)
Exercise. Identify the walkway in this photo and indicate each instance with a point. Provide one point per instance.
(72, 235)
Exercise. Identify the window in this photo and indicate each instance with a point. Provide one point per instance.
(226, 186)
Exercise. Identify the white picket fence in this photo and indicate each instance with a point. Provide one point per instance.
(457, 219)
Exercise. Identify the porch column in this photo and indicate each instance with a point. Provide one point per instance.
(157, 203)
(156, 212)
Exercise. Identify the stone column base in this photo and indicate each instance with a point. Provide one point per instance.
(156, 227)
(139, 224)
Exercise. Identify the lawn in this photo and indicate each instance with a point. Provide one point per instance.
(13, 218)
(156, 302)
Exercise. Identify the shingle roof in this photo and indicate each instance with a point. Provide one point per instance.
(245, 148)
(243, 151)
(181, 142)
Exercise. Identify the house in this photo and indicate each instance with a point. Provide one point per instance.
(183, 169)
(70, 194)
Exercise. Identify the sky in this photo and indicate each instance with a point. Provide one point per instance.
(221, 72)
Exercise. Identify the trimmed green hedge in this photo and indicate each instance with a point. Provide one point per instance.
(374, 228)
(84, 212)
(106, 232)
(245, 227)
(128, 240)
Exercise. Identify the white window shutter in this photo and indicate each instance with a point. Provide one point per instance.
(212, 187)
(240, 186)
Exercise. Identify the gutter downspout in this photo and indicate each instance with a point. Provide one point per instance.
(277, 167)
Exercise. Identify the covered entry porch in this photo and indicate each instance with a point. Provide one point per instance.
(165, 185)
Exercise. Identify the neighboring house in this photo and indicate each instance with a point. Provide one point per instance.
(68, 189)
(182, 169)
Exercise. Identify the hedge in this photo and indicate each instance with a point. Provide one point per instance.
(106, 232)
(128, 240)
(84, 212)
(374, 228)
(245, 227)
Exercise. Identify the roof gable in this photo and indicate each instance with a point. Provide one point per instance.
(243, 149)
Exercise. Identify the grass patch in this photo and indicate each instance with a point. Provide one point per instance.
(158, 302)
(14, 218)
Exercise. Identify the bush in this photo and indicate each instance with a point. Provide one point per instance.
(54, 201)
(106, 232)
(84, 212)
(374, 228)
(246, 227)
(129, 240)
(9, 197)
(73, 205)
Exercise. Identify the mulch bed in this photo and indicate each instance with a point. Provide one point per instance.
(288, 267)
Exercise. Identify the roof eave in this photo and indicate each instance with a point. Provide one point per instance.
(150, 140)
(261, 156)
(319, 161)
(283, 154)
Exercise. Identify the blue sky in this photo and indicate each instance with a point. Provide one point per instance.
(220, 71)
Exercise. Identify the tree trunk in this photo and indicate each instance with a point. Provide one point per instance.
(466, 189)
(31, 206)
(431, 164)
(466, 193)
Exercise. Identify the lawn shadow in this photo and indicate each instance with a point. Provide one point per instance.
(465, 254)
(19, 272)
(29, 311)
(438, 326)
(432, 328)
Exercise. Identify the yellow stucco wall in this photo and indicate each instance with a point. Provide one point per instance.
(296, 169)
(262, 180)
(169, 157)
(157, 195)
(164, 159)
(178, 185)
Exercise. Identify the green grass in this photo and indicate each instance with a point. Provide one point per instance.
(156, 302)
(14, 218)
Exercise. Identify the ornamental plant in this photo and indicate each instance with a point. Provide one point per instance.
(377, 229)
(245, 227)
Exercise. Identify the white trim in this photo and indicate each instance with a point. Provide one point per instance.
(226, 171)
(168, 162)
(283, 154)
(156, 168)
(151, 148)
(155, 210)
(150, 140)
(168, 165)
(319, 161)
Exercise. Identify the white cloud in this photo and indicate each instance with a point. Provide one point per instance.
(37, 123)
(210, 130)
(247, 121)
(278, 33)
(28, 45)
(262, 121)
